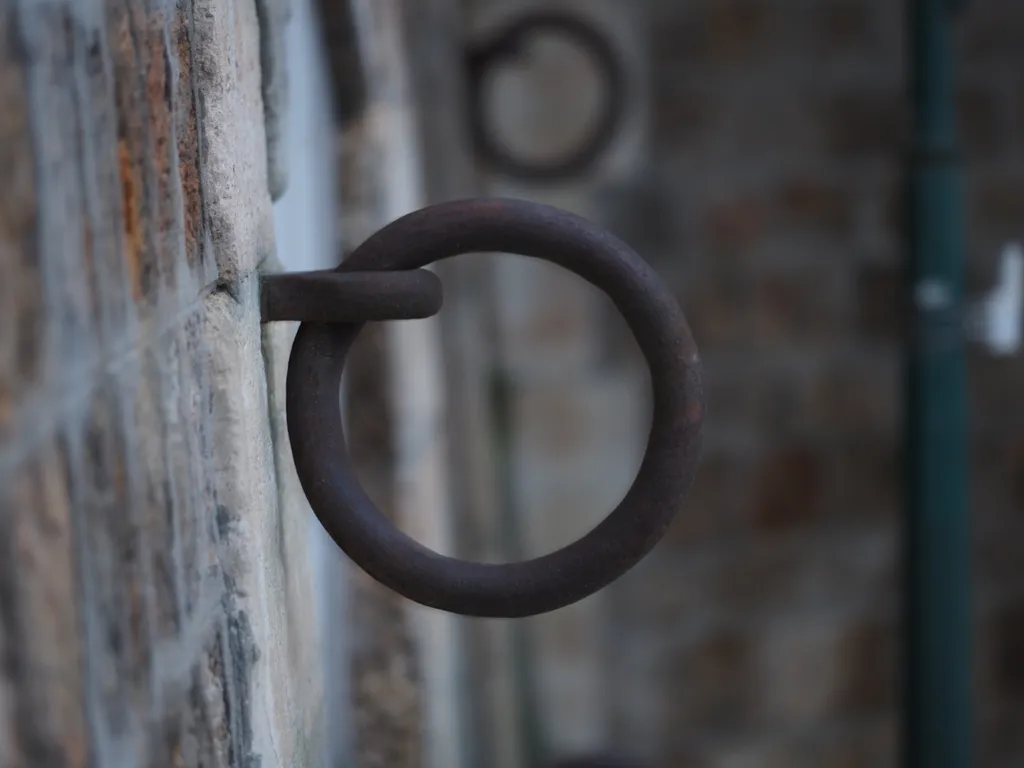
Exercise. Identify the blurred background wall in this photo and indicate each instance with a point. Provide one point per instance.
(762, 170)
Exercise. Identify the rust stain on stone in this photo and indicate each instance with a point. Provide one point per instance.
(188, 140)
(131, 189)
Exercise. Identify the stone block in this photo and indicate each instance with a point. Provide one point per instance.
(22, 310)
(108, 471)
(149, 263)
(42, 721)
(236, 198)
(186, 132)
(192, 457)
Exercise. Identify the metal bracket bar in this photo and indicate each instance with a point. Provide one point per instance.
(330, 296)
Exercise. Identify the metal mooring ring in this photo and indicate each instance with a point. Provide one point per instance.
(609, 549)
(508, 42)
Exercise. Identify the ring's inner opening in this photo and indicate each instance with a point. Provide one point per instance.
(544, 396)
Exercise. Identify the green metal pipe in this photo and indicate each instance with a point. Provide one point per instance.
(938, 730)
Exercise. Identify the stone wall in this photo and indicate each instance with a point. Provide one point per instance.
(157, 605)
(764, 178)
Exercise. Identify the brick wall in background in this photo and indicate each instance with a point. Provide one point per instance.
(156, 602)
(763, 175)
(763, 631)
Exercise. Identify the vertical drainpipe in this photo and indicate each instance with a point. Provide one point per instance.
(938, 656)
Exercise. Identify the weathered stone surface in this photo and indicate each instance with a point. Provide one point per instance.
(43, 678)
(22, 322)
(155, 594)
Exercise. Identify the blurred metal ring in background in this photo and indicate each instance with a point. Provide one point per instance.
(510, 42)
(611, 548)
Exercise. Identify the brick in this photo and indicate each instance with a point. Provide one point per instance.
(866, 478)
(714, 34)
(710, 680)
(757, 576)
(785, 311)
(858, 396)
(779, 400)
(999, 736)
(789, 488)
(996, 207)
(681, 110)
(983, 126)
(1016, 455)
(718, 306)
(737, 223)
(815, 206)
(992, 32)
(846, 26)
(863, 123)
(880, 293)
(1007, 633)
(868, 657)
(715, 505)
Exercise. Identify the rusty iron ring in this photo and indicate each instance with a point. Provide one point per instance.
(614, 545)
(509, 42)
